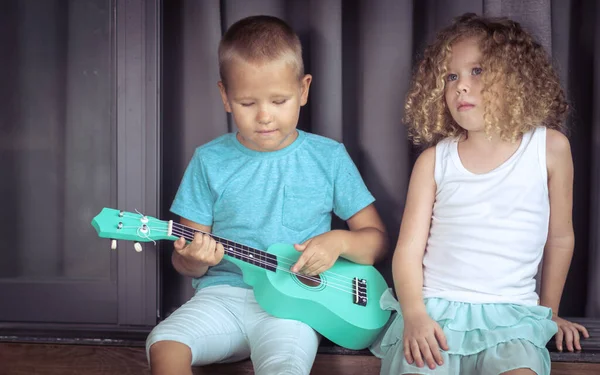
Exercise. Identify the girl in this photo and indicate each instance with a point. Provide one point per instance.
(488, 198)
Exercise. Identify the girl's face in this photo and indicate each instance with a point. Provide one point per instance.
(464, 84)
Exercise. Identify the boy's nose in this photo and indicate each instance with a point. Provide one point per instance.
(263, 117)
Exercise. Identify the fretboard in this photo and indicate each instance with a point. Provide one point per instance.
(235, 250)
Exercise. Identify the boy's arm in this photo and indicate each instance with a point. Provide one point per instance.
(190, 259)
(558, 251)
(366, 240)
(407, 263)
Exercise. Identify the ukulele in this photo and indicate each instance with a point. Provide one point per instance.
(341, 303)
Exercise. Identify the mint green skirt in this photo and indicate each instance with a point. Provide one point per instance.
(489, 338)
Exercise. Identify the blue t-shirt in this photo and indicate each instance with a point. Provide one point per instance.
(260, 198)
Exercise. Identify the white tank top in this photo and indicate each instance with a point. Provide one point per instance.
(488, 231)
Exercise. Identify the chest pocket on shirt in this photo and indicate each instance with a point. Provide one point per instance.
(302, 209)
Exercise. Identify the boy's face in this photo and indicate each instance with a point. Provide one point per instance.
(265, 101)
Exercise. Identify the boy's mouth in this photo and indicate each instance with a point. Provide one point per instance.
(266, 132)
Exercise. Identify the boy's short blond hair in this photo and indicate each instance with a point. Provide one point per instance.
(260, 39)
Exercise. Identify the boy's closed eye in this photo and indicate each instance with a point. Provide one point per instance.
(277, 102)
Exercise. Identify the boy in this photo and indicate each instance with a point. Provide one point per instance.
(268, 183)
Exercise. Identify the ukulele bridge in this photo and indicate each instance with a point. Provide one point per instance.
(359, 291)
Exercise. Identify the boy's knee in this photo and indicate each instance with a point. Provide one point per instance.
(283, 366)
(170, 357)
(520, 371)
(288, 363)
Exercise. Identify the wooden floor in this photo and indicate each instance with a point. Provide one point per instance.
(52, 359)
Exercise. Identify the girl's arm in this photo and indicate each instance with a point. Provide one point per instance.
(407, 263)
(561, 239)
(422, 335)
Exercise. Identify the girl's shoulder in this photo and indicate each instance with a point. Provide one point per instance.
(557, 142)
(558, 150)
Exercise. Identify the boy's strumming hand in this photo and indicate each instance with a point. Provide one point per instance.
(203, 250)
(318, 254)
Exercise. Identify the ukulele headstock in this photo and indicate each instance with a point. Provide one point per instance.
(129, 226)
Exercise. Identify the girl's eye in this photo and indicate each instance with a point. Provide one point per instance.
(451, 77)
(477, 71)
(279, 102)
(246, 104)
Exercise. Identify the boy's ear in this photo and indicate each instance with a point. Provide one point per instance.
(304, 87)
(224, 96)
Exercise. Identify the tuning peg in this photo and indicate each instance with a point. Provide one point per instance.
(137, 247)
(113, 244)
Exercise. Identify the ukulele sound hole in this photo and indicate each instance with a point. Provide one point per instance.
(311, 281)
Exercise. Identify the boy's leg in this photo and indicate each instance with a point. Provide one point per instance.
(279, 346)
(205, 330)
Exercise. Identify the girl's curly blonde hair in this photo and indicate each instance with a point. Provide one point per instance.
(513, 63)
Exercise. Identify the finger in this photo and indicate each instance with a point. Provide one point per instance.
(299, 264)
(328, 264)
(559, 339)
(312, 266)
(568, 339)
(407, 352)
(179, 244)
(582, 329)
(219, 252)
(198, 238)
(209, 250)
(300, 247)
(319, 270)
(435, 350)
(416, 353)
(427, 354)
(576, 338)
(211, 245)
(441, 337)
(304, 258)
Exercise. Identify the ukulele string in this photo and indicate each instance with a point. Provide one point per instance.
(236, 251)
(183, 230)
(192, 231)
(332, 275)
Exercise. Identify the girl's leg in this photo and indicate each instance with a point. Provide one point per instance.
(515, 357)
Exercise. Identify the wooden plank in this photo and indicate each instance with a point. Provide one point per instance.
(566, 368)
(53, 359)
(325, 364)
(39, 359)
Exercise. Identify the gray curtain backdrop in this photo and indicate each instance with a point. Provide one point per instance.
(361, 54)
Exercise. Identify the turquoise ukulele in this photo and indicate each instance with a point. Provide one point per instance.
(341, 303)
